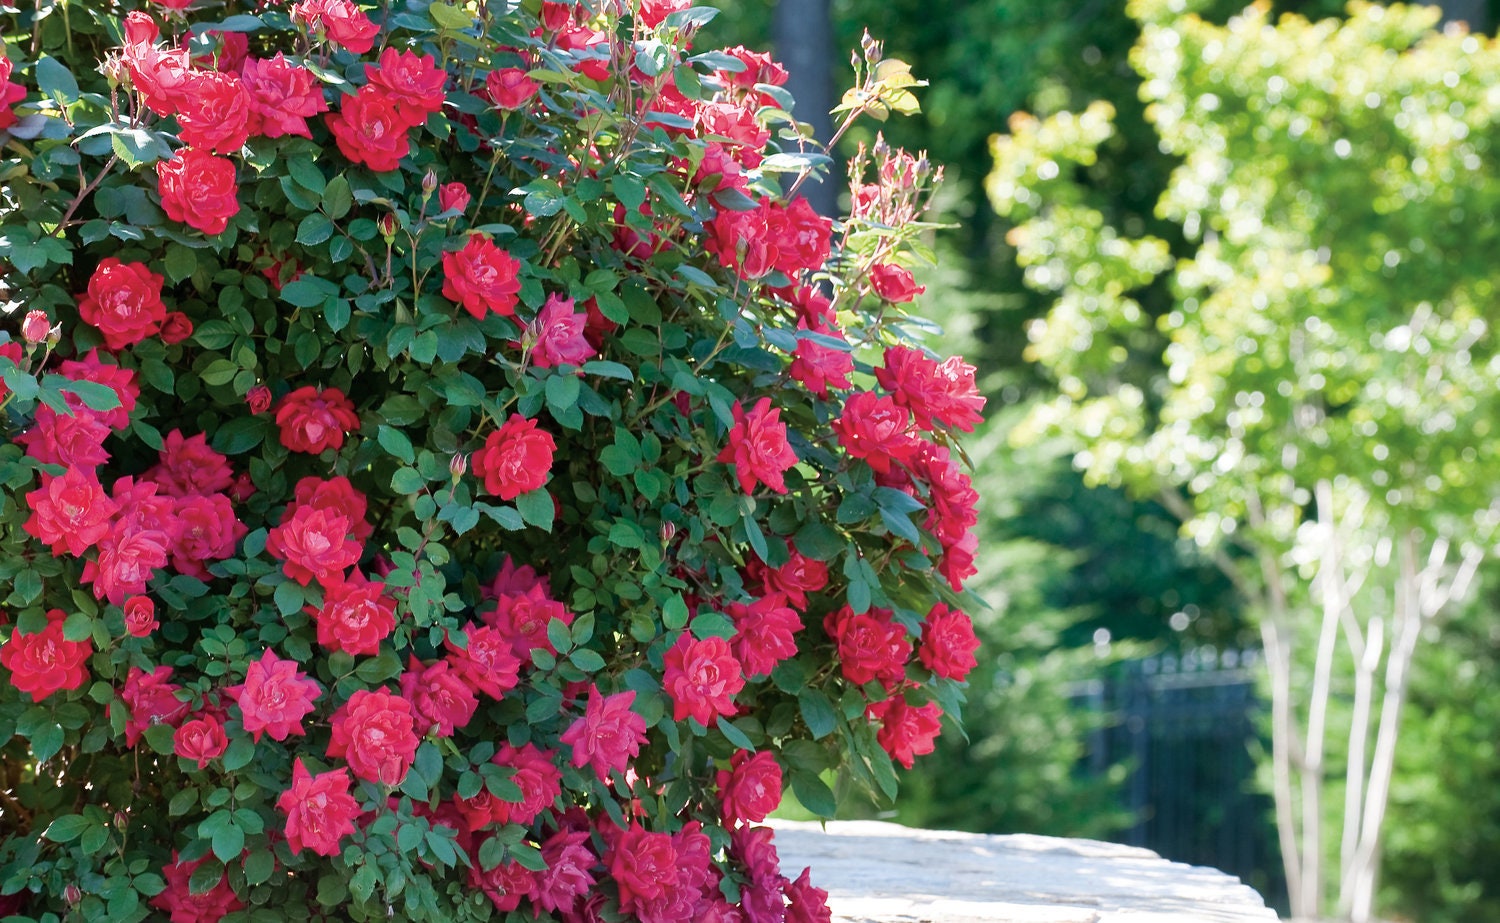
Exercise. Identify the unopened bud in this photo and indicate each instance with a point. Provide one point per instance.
(122, 820)
(72, 894)
(115, 71)
(668, 529)
(388, 226)
(36, 327)
(458, 465)
(873, 50)
(429, 181)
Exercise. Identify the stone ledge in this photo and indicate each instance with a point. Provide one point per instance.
(877, 872)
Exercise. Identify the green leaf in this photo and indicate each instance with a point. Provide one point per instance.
(179, 262)
(239, 436)
(407, 481)
(67, 828)
(814, 794)
(46, 740)
(449, 18)
(536, 508)
(314, 229)
(734, 735)
(818, 713)
(396, 443)
(55, 80)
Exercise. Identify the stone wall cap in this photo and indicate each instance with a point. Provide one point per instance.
(877, 872)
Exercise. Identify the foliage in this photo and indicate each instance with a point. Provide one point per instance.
(1327, 373)
(440, 451)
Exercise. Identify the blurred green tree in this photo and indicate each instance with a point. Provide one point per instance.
(1318, 403)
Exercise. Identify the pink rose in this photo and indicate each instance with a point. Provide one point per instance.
(339, 21)
(70, 512)
(152, 700)
(557, 335)
(439, 696)
(453, 197)
(214, 112)
(894, 283)
(319, 810)
(313, 420)
(201, 740)
(510, 88)
(701, 677)
(375, 733)
(124, 302)
(46, 662)
(140, 616)
(355, 617)
(283, 96)
(608, 734)
(275, 697)
(314, 545)
(871, 645)
(758, 448)
(750, 788)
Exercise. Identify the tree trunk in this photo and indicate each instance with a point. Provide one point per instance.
(802, 32)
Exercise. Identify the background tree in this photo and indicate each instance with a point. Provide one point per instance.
(1322, 406)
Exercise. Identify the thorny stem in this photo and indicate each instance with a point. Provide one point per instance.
(83, 194)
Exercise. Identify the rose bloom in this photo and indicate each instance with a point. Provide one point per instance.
(175, 328)
(875, 428)
(806, 903)
(314, 544)
(188, 467)
(259, 399)
(209, 532)
(201, 740)
(739, 240)
(486, 661)
(820, 367)
(369, 129)
(36, 326)
(46, 662)
(894, 283)
(569, 872)
(93, 367)
(126, 559)
(453, 197)
(275, 697)
(140, 616)
(413, 82)
(750, 787)
(643, 865)
(758, 448)
(799, 576)
(355, 617)
(183, 906)
(339, 21)
(906, 732)
(934, 392)
(313, 420)
(70, 512)
(702, 679)
(283, 96)
(152, 700)
(10, 94)
(160, 75)
(653, 12)
(522, 620)
(506, 885)
(516, 458)
(438, 696)
(948, 643)
(871, 645)
(482, 278)
(538, 777)
(198, 189)
(336, 495)
(228, 54)
(608, 734)
(558, 335)
(764, 633)
(802, 237)
(214, 112)
(375, 733)
(124, 302)
(510, 88)
(319, 810)
(75, 440)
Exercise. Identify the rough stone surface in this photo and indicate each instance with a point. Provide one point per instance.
(883, 873)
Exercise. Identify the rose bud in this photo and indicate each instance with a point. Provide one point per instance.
(36, 327)
(259, 399)
(388, 225)
(458, 465)
(429, 181)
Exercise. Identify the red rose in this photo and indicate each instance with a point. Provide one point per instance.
(275, 697)
(160, 75)
(313, 420)
(894, 283)
(871, 645)
(10, 94)
(934, 392)
(214, 112)
(510, 88)
(92, 367)
(319, 810)
(228, 54)
(643, 865)
(336, 495)
(536, 775)
(124, 302)
(152, 700)
(806, 903)
(199, 190)
(819, 366)
(558, 335)
(75, 440)
(739, 240)
(283, 96)
(750, 788)
(339, 21)
(439, 696)
(506, 885)
(482, 278)
(486, 661)
(370, 130)
(36, 327)
(758, 448)
(355, 617)
(948, 643)
(608, 734)
(175, 328)
(516, 458)
(46, 662)
(764, 633)
(201, 739)
(453, 197)
(877, 429)
(259, 399)
(906, 732)
(801, 236)
(796, 578)
(188, 467)
(183, 906)
(569, 874)
(314, 544)
(522, 619)
(413, 82)
(374, 732)
(69, 512)
(653, 12)
(140, 616)
(701, 678)
(209, 532)
(126, 560)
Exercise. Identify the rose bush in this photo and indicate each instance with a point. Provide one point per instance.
(448, 470)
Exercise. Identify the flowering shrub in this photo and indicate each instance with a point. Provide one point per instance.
(448, 469)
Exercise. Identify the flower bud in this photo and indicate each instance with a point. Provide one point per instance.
(429, 181)
(72, 894)
(458, 465)
(388, 225)
(873, 49)
(115, 71)
(259, 399)
(122, 820)
(36, 327)
(668, 529)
